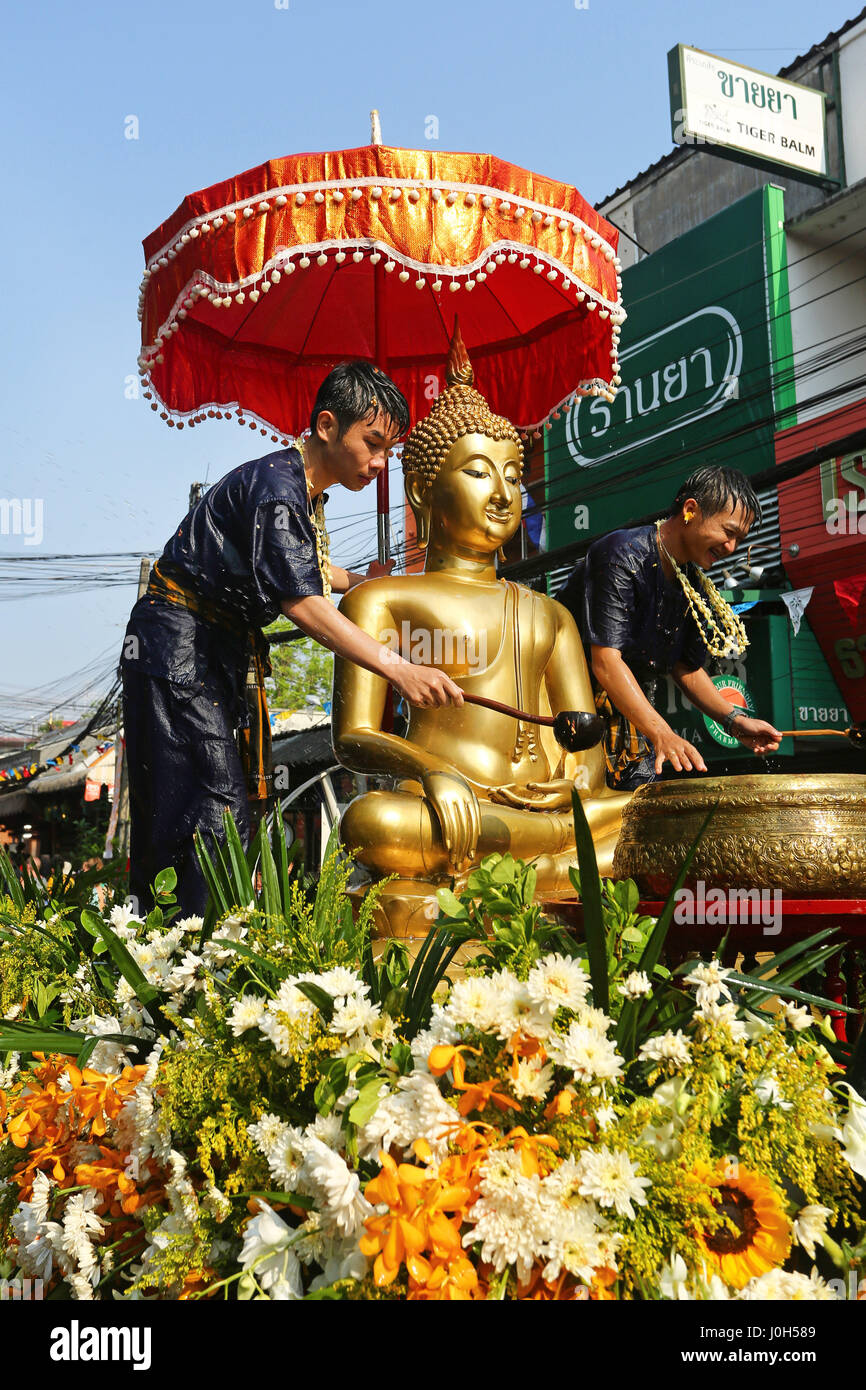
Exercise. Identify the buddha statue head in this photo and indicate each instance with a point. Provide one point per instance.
(463, 465)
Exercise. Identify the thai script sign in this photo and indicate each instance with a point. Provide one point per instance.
(704, 352)
(746, 113)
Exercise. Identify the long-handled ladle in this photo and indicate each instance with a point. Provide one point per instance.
(574, 729)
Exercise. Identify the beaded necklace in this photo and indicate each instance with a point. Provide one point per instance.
(317, 517)
(721, 630)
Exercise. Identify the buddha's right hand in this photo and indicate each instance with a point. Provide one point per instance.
(423, 685)
(456, 806)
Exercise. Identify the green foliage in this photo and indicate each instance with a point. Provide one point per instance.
(496, 908)
(302, 670)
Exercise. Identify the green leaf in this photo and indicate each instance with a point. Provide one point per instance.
(367, 1103)
(593, 916)
(293, 1199)
(270, 881)
(241, 882)
(323, 1001)
(165, 882)
(129, 968)
(450, 905)
(9, 878)
(626, 1031)
(93, 1040)
(401, 1056)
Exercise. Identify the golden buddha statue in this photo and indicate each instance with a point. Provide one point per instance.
(472, 781)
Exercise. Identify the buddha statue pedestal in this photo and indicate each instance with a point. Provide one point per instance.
(468, 781)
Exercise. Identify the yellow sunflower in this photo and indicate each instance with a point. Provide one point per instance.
(757, 1234)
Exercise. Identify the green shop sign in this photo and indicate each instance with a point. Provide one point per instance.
(736, 692)
(707, 315)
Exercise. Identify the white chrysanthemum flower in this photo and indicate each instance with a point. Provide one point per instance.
(284, 1148)
(796, 1018)
(611, 1179)
(231, 929)
(502, 1172)
(594, 1018)
(165, 943)
(188, 924)
(267, 1133)
(708, 979)
(247, 1012)
(518, 1012)
(336, 1187)
(635, 985)
(507, 1230)
(474, 1002)
(109, 1058)
(190, 974)
(416, 1110)
(576, 1247)
(340, 982)
(357, 1015)
(10, 1071)
(810, 1227)
(80, 1223)
(40, 1197)
(292, 1003)
(587, 1053)
(723, 1016)
(142, 953)
(778, 1285)
(328, 1128)
(532, 1080)
(557, 982)
(124, 993)
(667, 1047)
(441, 1029)
(605, 1116)
(124, 921)
(769, 1092)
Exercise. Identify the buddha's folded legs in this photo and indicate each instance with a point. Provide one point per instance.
(398, 832)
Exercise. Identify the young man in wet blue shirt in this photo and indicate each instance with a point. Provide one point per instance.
(643, 612)
(196, 729)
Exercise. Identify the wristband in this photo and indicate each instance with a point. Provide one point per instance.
(728, 722)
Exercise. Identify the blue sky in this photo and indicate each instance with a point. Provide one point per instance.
(576, 93)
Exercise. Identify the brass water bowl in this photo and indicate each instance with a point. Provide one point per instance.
(803, 834)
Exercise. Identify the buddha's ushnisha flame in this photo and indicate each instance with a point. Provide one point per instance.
(459, 410)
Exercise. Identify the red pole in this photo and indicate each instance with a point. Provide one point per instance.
(380, 357)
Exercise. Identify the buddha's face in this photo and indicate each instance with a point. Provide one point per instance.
(475, 499)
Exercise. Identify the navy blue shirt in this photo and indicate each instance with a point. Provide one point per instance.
(620, 597)
(247, 544)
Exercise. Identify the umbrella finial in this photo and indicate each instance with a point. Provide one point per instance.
(375, 128)
(458, 369)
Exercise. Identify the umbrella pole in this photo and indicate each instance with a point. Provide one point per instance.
(380, 357)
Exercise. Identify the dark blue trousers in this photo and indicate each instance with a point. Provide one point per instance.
(184, 770)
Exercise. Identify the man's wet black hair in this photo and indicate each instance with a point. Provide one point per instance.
(358, 391)
(718, 490)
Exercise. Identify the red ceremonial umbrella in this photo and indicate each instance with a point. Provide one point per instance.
(256, 287)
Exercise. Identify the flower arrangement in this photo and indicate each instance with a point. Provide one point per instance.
(250, 1107)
